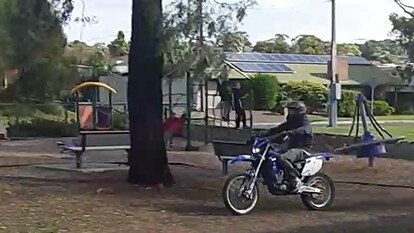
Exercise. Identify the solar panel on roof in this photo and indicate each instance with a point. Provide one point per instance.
(252, 67)
(291, 58)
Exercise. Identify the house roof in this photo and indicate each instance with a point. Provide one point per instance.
(358, 75)
(361, 73)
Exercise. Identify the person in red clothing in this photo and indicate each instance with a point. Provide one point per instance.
(172, 125)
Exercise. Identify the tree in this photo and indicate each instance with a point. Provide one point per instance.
(278, 44)
(98, 63)
(39, 62)
(348, 50)
(233, 41)
(409, 10)
(308, 44)
(119, 47)
(403, 28)
(373, 50)
(147, 157)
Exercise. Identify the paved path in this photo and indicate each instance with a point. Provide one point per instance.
(265, 125)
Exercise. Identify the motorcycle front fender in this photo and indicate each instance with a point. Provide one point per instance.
(241, 158)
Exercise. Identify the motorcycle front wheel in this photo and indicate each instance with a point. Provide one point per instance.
(319, 201)
(234, 197)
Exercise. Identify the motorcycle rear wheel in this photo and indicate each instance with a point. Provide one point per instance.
(228, 192)
(310, 200)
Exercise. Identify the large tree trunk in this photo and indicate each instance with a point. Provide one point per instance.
(147, 157)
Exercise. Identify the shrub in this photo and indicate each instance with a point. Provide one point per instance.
(281, 101)
(265, 88)
(39, 127)
(382, 108)
(346, 106)
(51, 109)
(120, 121)
(311, 93)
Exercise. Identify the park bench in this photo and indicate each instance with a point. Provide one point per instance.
(111, 140)
(96, 141)
(227, 150)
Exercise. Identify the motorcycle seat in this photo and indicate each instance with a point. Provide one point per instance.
(307, 155)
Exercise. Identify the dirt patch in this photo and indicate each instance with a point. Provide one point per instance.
(103, 202)
(37, 200)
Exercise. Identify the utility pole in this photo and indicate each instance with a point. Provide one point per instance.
(82, 21)
(333, 100)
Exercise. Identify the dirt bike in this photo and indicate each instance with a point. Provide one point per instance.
(317, 192)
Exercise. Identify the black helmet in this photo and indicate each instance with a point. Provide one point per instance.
(297, 105)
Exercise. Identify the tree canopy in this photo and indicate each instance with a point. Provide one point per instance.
(119, 46)
(33, 42)
(308, 44)
(278, 44)
(403, 28)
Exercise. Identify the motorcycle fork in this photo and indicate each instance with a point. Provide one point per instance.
(252, 181)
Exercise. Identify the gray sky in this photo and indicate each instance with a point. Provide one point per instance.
(356, 19)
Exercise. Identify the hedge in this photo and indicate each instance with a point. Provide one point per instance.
(265, 89)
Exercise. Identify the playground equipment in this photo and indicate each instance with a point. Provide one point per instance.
(93, 115)
(367, 145)
(199, 103)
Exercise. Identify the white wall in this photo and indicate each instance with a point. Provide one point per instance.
(119, 83)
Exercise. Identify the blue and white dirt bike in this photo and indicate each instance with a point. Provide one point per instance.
(241, 192)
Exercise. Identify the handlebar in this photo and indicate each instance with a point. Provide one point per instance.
(271, 138)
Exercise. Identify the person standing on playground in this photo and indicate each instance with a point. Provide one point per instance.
(238, 105)
(225, 96)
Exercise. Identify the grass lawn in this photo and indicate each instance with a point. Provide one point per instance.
(406, 130)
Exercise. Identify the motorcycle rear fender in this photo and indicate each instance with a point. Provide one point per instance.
(312, 166)
(240, 158)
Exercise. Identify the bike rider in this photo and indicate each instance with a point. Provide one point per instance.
(299, 129)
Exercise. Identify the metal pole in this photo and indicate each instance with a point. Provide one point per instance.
(372, 99)
(189, 93)
(170, 105)
(82, 20)
(111, 108)
(333, 104)
(94, 110)
(206, 109)
(363, 114)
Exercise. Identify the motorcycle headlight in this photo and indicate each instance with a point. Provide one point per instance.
(255, 150)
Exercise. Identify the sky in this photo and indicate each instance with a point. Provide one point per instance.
(357, 20)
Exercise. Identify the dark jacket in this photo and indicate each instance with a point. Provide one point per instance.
(237, 100)
(224, 92)
(301, 131)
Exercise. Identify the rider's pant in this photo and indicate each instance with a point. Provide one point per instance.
(288, 158)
